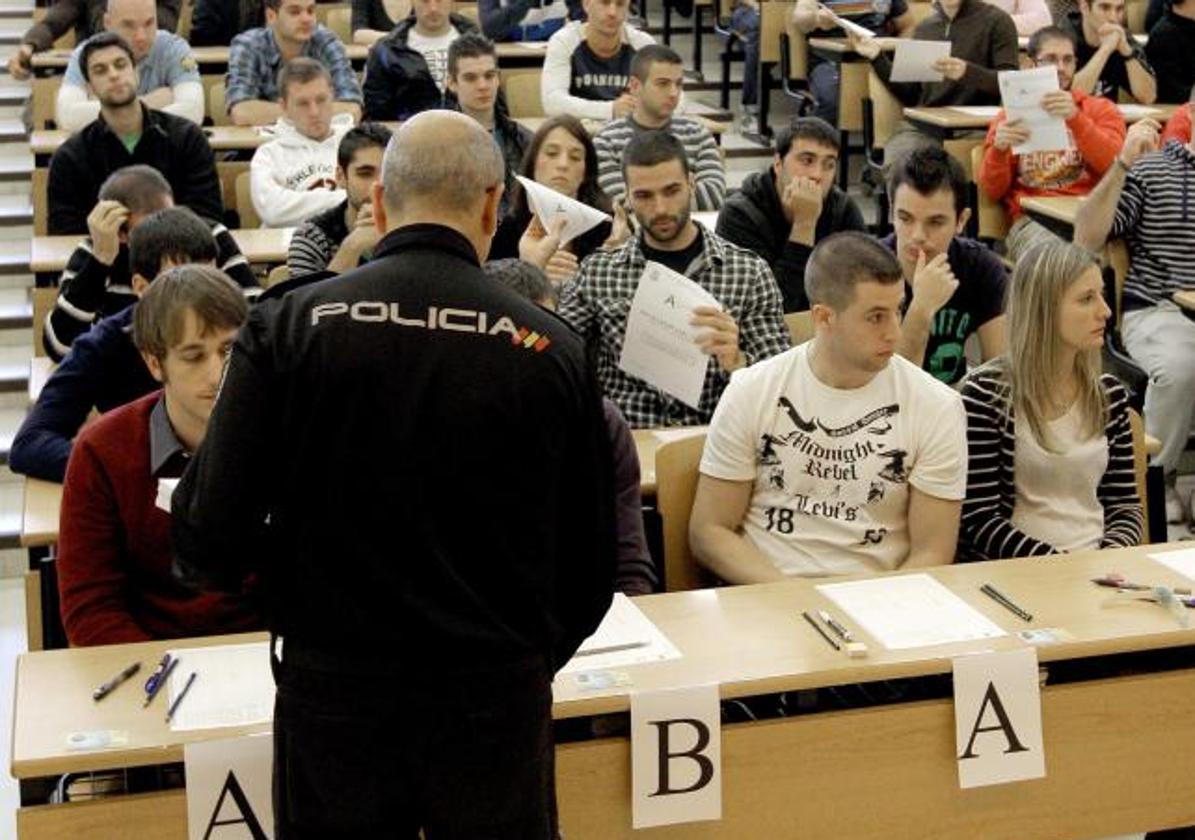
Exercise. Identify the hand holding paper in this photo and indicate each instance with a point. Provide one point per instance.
(548, 205)
(720, 338)
(914, 60)
(1023, 92)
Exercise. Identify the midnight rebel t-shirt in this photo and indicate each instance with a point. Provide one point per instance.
(594, 77)
(978, 299)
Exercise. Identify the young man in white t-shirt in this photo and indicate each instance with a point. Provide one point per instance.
(838, 456)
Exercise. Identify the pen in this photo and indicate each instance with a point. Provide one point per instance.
(820, 631)
(1117, 582)
(174, 706)
(838, 629)
(611, 648)
(1004, 601)
(154, 684)
(111, 685)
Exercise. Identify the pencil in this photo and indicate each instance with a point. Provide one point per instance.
(821, 632)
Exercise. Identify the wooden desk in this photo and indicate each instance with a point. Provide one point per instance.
(1120, 749)
(1055, 212)
(266, 246)
(1186, 302)
(39, 516)
(947, 122)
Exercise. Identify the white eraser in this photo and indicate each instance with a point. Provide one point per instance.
(856, 650)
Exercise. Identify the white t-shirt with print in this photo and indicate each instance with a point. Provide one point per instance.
(434, 50)
(832, 467)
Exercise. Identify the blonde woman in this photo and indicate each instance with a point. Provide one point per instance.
(1050, 447)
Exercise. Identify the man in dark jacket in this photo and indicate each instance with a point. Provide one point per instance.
(1109, 58)
(526, 20)
(216, 22)
(412, 462)
(783, 211)
(1171, 52)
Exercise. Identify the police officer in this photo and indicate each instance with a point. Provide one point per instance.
(411, 463)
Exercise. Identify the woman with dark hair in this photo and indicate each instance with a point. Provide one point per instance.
(560, 156)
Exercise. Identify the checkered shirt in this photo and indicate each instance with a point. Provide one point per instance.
(254, 62)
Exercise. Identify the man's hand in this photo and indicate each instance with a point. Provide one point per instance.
(802, 201)
(623, 105)
(825, 18)
(104, 224)
(722, 338)
(1141, 139)
(933, 283)
(1059, 103)
(158, 98)
(1111, 36)
(364, 235)
(869, 48)
(620, 231)
(1011, 133)
(20, 65)
(950, 67)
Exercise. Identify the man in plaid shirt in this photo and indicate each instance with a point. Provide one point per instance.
(257, 55)
(750, 326)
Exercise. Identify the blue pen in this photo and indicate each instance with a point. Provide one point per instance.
(159, 678)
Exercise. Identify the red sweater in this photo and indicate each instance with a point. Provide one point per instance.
(114, 554)
(1098, 131)
(1178, 127)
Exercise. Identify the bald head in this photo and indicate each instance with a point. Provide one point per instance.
(134, 20)
(440, 160)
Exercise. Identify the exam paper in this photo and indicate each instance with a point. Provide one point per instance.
(913, 61)
(548, 204)
(660, 344)
(1021, 92)
(910, 611)
(625, 637)
(234, 686)
(1182, 561)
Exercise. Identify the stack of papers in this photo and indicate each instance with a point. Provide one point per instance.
(625, 637)
(233, 686)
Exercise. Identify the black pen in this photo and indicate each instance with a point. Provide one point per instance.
(111, 685)
(174, 706)
(159, 680)
(1004, 601)
(820, 631)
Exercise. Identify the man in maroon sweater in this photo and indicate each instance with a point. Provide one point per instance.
(114, 560)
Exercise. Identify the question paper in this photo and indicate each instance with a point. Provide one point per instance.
(914, 60)
(1022, 92)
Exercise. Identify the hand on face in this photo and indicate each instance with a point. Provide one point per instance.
(933, 282)
(802, 200)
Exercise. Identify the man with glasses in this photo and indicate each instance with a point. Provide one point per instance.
(1096, 130)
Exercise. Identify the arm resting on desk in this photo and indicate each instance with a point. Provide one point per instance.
(715, 534)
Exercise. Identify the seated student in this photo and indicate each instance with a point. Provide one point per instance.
(86, 17)
(1094, 124)
(1050, 449)
(1171, 51)
(781, 212)
(587, 67)
(372, 20)
(636, 572)
(408, 69)
(115, 560)
(526, 20)
(955, 285)
(97, 280)
(293, 176)
(255, 60)
(1109, 58)
(657, 78)
(839, 456)
(342, 237)
(214, 23)
(167, 74)
(103, 370)
(1178, 127)
(749, 327)
(1147, 199)
(983, 41)
(125, 133)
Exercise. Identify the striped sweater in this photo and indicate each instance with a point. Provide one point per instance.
(705, 162)
(987, 531)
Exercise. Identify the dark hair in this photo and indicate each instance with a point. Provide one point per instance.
(470, 45)
(361, 137)
(101, 41)
(160, 317)
(842, 261)
(525, 279)
(273, 5)
(927, 170)
(651, 148)
(300, 71)
(647, 55)
(1048, 33)
(589, 192)
(140, 188)
(806, 128)
(174, 234)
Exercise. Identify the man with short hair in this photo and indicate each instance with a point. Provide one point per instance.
(126, 132)
(167, 74)
(98, 280)
(114, 556)
(293, 176)
(408, 69)
(1110, 59)
(781, 212)
(587, 67)
(748, 327)
(341, 237)
(657, 79)
(955, 284)
(252, 92)
(1171, 51)
(839, 456)
(1094, 125)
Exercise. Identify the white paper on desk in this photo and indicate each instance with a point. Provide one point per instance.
(910, 611)
(997, 718)
(548, 204)
(166, 488)
(913, 61)
(624, 625)
(660, 346)
(233, 686)
(550, 11)
(212, 767)
(1181, 561)
(1021, 91)
(988, 112)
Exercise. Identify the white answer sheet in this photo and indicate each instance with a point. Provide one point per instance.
(549, 205)
(625, 637)
(233, 686)
(1022, 92)
(1181, 561)
(913, 61)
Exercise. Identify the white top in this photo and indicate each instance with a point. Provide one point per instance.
(557, 73)
(1056, 499)
(832, 467)
(292, 177)
(434, 50)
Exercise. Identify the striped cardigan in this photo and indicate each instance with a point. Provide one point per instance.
(987, 531)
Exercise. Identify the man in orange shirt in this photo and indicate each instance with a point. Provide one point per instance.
(1178, 127)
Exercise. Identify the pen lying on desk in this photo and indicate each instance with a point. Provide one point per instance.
(813, 623)
(114, 683)
(1004, 601)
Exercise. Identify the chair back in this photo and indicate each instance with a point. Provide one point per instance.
(886, 111)
(993, 221)
(522, 90)
(1140, 466)
(278, 274)
(340, 21)
(39, 182)
(44, 299)
(800, 326)
(43, 100)
(213, 95)
(245, 208)
(676, 487)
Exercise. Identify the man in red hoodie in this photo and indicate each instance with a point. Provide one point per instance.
(1178, 127)
(1096, 129)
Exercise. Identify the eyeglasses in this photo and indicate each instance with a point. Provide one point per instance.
(1055, 61)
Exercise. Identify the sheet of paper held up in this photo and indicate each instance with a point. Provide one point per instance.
(910, 611)
(548, 204)
(625, 637)
(660, 344)
(234, 686)
(1182, 561)
(913, 61)
(1021, 92)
